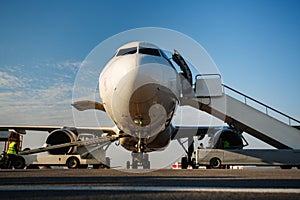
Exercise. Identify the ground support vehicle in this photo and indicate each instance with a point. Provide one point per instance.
(221, 158)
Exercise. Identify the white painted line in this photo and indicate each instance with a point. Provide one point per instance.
(149, 189)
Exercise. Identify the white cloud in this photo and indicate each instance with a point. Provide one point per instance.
(27, 98)
(37, 106)
(10, 81)
(73, 65)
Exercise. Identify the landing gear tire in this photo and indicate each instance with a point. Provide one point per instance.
(72, 163)
(184, 163)
(128, 164)
(215, 163)
(107, 162)
(134, 164)
(146, 165)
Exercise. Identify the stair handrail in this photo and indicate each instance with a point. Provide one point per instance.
(260, 103)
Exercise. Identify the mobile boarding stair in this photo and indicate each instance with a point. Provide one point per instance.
(210, 96)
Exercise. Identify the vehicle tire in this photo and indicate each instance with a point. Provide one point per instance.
(215, 163)
(96, 166)
(4, 161)
(72, 163)
(184, 163)
(128, 164)
(286, 167)
(19, 162)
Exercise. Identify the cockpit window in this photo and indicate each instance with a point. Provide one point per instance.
(131, 50)
(149, 51)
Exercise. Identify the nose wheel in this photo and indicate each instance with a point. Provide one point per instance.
(139, 159)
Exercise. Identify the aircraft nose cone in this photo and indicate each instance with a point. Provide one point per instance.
(144, 100)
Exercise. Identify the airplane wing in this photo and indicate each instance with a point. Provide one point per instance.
(23, 129)
(88, 105)
(177, 131)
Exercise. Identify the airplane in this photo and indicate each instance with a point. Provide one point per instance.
(140, 89)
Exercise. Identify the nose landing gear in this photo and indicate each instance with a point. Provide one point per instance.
(139, 159)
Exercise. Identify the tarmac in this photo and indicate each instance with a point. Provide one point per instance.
(156, 184)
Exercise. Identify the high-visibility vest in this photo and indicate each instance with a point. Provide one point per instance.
(12, 148)
(226, 144)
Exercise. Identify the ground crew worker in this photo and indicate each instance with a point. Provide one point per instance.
(226, 144)
(12, 153)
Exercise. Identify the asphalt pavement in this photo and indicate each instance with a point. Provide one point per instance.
(142, 184)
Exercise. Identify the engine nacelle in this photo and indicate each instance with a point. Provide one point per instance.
(61, 136)
(233, 139)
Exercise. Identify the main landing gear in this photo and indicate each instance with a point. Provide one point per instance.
(188, 160)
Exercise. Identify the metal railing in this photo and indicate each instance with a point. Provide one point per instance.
(267, 108)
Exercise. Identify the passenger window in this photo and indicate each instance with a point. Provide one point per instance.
(149, 51)
(127, 51)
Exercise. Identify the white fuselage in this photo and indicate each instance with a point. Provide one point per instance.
(140, 89)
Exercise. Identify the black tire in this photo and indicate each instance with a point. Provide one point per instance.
(286, 167)
(215, 163)
(107, 162)
(184, 163)
(149, 165)
(4, 160)
(19, 162)
(72, 163)
(134, 165)
(96, 166)
(194, 164)
(128, 164)
(146, 165)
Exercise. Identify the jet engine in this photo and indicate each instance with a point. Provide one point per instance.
(61, 136)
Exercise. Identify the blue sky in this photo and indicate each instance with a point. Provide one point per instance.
(255, 44)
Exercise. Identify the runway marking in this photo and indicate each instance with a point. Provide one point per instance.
(150, 189)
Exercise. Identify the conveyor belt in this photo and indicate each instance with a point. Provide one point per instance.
(100, 141)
